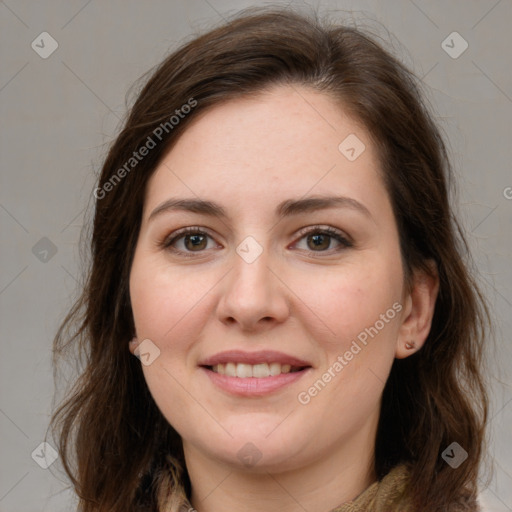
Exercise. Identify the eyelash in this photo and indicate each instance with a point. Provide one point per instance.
(329, 231)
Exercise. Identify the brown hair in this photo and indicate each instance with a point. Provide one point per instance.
(118, 449)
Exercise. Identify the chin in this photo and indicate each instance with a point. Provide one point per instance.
(259, 451)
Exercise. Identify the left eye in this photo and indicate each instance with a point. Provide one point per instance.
(317, 240)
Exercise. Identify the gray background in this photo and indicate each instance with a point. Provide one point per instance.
(58, 115)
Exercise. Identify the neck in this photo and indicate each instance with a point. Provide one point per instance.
(335, 477)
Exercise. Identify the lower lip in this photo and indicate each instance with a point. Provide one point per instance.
(253, 386)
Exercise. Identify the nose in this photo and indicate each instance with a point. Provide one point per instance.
(254, 296)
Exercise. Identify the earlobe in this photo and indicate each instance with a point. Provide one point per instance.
(419, 313)
(132, 344)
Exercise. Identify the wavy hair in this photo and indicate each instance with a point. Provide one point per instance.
(119, 451)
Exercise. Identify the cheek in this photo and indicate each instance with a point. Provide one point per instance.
(362, 308)
(349, 301)
(162, 298)
(165, 305)
(170, 307)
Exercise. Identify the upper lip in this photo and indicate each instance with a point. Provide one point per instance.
(262, 356)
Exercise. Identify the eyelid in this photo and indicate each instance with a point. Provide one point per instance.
(326, 229)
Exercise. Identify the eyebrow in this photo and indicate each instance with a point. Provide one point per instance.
(285, 209)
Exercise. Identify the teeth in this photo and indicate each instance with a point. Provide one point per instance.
(243, 370)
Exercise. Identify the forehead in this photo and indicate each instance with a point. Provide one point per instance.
(285, 142)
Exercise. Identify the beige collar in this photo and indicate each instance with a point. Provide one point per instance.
(382, 496)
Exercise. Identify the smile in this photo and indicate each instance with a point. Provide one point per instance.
(253, 374)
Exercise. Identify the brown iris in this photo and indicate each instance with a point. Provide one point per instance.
(197, 241)
(317, 244)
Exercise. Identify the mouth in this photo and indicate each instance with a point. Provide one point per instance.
(253, 373)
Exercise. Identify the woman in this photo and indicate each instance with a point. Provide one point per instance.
(273, 240)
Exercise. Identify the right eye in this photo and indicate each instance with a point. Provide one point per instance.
(192, 239)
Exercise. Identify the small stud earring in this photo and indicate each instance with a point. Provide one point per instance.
(410, 345)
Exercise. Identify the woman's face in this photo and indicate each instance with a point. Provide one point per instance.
(260, 287)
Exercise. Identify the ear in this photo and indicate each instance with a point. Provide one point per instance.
(133, 344)
(418, 311)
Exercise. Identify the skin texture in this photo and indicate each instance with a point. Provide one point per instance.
(249, 155)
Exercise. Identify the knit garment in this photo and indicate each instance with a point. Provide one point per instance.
(386, 495)
(389, 495)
